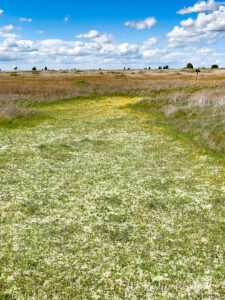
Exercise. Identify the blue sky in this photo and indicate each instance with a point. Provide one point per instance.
(111, 34)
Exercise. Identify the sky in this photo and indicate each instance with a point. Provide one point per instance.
(111, 34)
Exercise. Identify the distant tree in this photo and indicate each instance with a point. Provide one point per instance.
(124, 68)
(149, 68)
(215, 66)
(46, 69)
(34, 69)
(160, 68)
(166, 67)
(189, 66)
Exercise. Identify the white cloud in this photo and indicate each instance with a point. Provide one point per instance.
(127, 49)
(156, 54)
(151, 42)
(25, 20)
(90, 35)
(95, 36)
(40, 31)
(205, 26)
(20, 46)
(181, 37)
(56, 52)
(100, 49)
(7, 27)
(1, 11)
(66, 19)
(9, 35)
(202, 6)
(141, 25)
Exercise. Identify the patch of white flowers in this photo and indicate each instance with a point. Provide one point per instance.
(98, 203)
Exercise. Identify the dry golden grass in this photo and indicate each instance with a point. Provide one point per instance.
(52, 85)
(173, 92)
(196, 111)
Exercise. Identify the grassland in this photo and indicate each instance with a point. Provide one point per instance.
(103, 199)
(194, 108)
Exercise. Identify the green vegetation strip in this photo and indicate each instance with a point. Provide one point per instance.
(97, 201)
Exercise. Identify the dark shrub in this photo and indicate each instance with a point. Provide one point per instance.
(189, 66)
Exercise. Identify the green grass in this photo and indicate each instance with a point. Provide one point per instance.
(82, 82)
(14, 74)
(35, 72)
(98, 201)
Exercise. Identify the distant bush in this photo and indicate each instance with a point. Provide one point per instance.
(166, 67)
(215, 66)
(189, 66)
(82, 82)
(160, 68)
(34, 69)
(46, 69)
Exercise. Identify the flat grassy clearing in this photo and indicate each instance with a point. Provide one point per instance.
(99, 201)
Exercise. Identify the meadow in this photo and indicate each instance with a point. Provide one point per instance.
(195, 108)
(112, 184)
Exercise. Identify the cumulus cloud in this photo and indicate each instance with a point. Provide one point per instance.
(40, 31)
(66, 19)
(205, 26)
(7, 27)
(141, 25)
(151, 42)
(181, 37)
(9, 35)
(202, 6)
(96, 49)
(19, 46)
(25, 20)
(89, 54)
(90, 35)
(95, 35)
(4, 31)
(127, 49)
(1, 11)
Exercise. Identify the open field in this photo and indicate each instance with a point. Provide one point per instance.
(193, 108)
(115, 196)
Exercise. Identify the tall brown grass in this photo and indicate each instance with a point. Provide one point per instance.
(28, 87)
(52, 85)
(199, 113)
